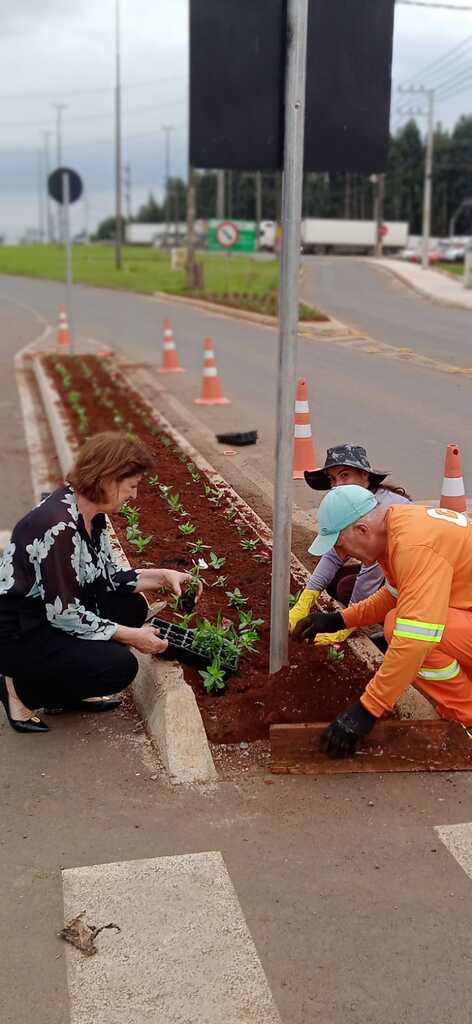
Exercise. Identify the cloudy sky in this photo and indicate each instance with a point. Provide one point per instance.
(62, 51)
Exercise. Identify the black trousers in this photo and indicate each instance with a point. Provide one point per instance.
(50, 668)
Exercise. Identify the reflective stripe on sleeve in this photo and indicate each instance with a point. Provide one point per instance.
(449, 672)
(412, 629)
(392, 590)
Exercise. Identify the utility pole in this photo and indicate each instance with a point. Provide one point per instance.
(49, 230)
(258, 207)
(40, 196)
(167, 129)
(191, 212)
(59, 108)
(118, 181)
(378, 181)
(220, 195)
(428, 167)
(229, 204)
(127, 183)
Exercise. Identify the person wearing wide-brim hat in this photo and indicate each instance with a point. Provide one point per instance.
(345, 464)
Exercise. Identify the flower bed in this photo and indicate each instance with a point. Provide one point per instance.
(183, 517)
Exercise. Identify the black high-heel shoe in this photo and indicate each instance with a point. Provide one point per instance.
(33, 724)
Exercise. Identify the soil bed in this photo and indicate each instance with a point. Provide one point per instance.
(311, 689)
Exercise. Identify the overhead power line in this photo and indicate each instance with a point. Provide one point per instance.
(442, 63)
(88, 92)
(439, 6)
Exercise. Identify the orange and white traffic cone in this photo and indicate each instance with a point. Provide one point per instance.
(453, 491)
(170, 360)
(63, 336)
(303, 446)
(211, 387)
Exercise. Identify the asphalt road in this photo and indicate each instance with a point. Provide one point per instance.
(404, 413)
(375, 301)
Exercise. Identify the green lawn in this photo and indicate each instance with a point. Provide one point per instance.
(235, 280)
(457, 269)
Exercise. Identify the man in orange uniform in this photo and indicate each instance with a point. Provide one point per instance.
(426, 605)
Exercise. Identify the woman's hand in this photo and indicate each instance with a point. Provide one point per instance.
(176, 580)
(147, 640)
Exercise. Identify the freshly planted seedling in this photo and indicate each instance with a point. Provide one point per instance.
(335, 655)
(187, 528)
(213, 677)
(215, 561)
(246, 621)
(186, 620)
(231, 514)
(173, 501)
(197, 547)
(133, 532)
(248, 639)
(141, 542)
(130, 513)
(236, 599)
(220, 581)
(153, 480)
(249, 545)
(118, 419)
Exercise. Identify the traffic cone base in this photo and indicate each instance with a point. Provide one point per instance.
(211, 387)
(453, 491)
(170, 360)
(303, 446)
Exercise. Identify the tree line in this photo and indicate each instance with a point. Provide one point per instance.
(342, 195)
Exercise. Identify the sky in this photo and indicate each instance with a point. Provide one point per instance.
(62, 51)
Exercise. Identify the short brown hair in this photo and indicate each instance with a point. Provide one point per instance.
(111, 455)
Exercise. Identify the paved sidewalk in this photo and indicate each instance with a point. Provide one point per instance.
(437, 285)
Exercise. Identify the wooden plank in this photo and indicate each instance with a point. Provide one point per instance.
(394, 746)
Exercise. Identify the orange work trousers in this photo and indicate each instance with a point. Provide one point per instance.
(443, 677)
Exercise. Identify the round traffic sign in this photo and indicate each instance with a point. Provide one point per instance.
(227, 234)
(56, 184)
(383, 230)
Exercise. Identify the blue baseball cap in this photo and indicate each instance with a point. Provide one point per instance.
(341, 507)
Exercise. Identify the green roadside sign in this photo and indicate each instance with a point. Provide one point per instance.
(232, 236)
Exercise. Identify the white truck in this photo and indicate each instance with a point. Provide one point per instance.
(321, 235)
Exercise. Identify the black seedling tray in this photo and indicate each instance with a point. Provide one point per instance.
(180, 646)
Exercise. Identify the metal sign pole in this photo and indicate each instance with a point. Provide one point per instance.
(295, 88)
(66, 224)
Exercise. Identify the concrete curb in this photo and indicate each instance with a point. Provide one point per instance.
(165, 701)
(416, 286)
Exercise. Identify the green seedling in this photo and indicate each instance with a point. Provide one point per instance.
(294, 598)
(236, 599)
(165, 489)
(118, 419)
(130, 513)
(174, 502)
(153, 480)
(166, 441)
(187, 528)
(132, 532)
(74, 397)
(231, 514)
(186, 620)
(141, 542)
(197, 547)
(249, 545)
(249, 639)
(335, 655)
(246, 621)
(220, 581)
(213, 677)
(215, 561)
(216, 495)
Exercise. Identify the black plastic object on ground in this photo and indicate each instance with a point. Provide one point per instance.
(181, 647)
(239, 440)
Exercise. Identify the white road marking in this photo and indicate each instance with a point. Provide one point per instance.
(184, 953)
(458, 840)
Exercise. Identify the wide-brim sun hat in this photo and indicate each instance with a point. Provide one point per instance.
(353, 455)
(341, 507)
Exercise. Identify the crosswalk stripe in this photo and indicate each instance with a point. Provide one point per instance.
(184, 952)
(458, 840)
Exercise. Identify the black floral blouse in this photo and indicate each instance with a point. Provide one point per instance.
(53, 571)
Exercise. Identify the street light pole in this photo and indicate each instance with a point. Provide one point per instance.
(59, 108)
(40, 196)
(49, 231)
(295, 89)
(118, 172)
(258, 207)
(428, 181)
(167, 129)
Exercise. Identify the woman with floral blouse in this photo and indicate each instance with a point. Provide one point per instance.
(69, 614)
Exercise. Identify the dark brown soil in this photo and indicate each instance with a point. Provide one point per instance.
(311, 689)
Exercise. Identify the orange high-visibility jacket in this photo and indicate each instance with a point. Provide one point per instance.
(428, 569)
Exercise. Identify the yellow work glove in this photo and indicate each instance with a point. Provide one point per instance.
(332, 638)
(302, 608)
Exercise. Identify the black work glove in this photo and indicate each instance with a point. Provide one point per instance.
(318, 622)
(342, 738)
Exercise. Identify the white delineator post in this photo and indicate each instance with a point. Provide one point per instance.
(295, 88)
